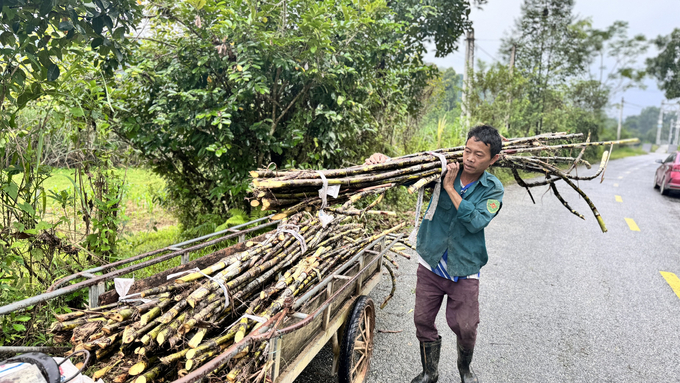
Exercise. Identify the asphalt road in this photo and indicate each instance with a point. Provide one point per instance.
(560, 300)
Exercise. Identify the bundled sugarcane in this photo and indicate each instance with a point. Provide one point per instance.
(171, 330)
(293, 191)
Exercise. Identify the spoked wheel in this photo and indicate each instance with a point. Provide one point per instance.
(357, 344)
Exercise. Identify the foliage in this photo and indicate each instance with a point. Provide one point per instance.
(436, 21)
(220, 89)
(666, 66)
(614, 44)
(550, 50)
(644, 125)
(56, 56)
(36, 34)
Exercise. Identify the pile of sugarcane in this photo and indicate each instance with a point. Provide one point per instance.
(298, 190)
(165, 332)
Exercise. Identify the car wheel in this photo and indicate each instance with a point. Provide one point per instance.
(664, 191)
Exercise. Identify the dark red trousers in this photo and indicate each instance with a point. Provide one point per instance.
(462, 307)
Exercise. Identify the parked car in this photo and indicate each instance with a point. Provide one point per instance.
(667, 176)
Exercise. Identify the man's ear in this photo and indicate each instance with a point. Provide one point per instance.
(494, 159)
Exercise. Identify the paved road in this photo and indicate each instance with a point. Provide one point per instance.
(560, 301)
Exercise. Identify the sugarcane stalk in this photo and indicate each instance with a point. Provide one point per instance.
(151, 374)
(170, 329)
(390, 260)
(394, 285)
(70, 325)
(160, 290)
(109, 329)
(105, 370)
(141, 366)
(400, 252)
(565, 203)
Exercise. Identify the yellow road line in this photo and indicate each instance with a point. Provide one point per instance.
(632, 225)
(672, 280)
(620, 177)
(618, 198)
(616, 185)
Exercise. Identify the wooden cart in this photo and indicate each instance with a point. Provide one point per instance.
(337, 309)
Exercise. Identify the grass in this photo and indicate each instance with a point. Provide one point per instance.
(626, 151)
(142, 213)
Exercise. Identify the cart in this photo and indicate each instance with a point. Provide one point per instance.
(336, 309)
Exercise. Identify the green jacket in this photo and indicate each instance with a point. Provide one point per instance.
(461, 231)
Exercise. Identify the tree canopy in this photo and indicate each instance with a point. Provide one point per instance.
(35, 35)
(222, 88)
(666, 66)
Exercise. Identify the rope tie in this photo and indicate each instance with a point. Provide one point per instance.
(413, 237)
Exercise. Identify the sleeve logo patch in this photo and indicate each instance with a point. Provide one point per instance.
(493, 205)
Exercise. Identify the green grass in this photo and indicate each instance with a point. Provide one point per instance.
(626, 151)
(142, 212)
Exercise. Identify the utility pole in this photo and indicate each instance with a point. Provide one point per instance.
(677, 131)
(511, 70)
(469, 67)
(659, 124)
(618, 130)
(670, 133)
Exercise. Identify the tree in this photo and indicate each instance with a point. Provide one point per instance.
(221, 89)
(441, 22)
(36, 34)
(550, 50)
(644, 125)
(623, 53)
(666, 66)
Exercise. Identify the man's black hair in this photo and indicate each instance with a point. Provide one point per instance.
(489, 136)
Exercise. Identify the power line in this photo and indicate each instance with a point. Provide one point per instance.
(639, 106)
(487, 53)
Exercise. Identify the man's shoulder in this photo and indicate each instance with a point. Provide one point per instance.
(493, 182)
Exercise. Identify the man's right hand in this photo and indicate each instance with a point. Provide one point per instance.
(376, 158)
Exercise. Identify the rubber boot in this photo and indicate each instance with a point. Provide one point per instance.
(464, 360)
(429, 357)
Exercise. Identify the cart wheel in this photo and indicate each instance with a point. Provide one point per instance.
(357, 344)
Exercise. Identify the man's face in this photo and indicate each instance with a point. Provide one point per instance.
(477, 157)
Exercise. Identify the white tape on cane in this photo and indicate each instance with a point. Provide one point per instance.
(255, 318)
(437, 187)
(293, 230)
(197, 270)
(122, 286)
(324, 217)
(413, 237)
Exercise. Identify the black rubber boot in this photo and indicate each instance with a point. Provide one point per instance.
(464, 360)
(429, 357)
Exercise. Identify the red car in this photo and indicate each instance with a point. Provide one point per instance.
(667, 176)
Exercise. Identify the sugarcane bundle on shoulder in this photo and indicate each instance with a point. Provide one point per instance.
(296, 190)
(180, 326)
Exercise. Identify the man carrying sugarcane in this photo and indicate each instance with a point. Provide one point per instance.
(452, 250)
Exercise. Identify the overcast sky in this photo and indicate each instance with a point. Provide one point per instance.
(650, 18)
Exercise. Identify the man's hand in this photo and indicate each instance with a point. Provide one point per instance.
(450, 176)
(376, 158)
